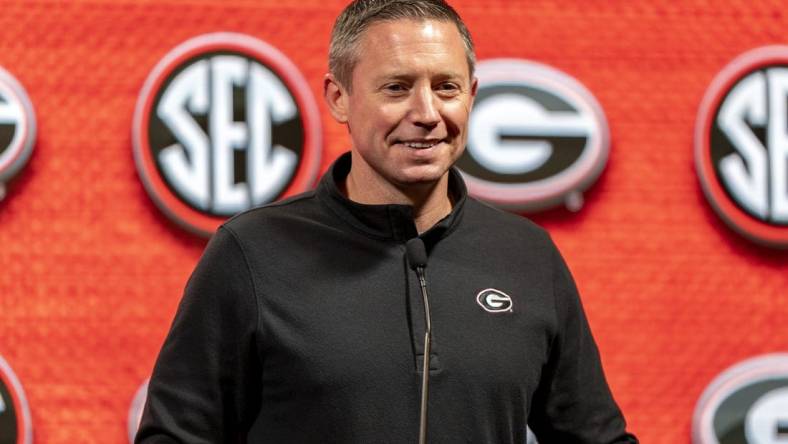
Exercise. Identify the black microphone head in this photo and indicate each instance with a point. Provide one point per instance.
(417, 254)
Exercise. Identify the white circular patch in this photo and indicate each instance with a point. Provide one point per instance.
(225, 122)
(741, 145)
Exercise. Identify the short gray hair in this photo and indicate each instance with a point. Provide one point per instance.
(360, 14)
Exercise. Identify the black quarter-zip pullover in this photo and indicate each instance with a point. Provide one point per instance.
(302, 323)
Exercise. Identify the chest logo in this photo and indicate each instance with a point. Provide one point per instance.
(494, 301)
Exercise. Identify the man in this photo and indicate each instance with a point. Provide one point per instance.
(303, 321)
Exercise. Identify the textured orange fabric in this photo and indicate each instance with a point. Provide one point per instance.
(91, 271)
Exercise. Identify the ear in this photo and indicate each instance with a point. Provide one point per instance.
(336, 97)
(474, 89)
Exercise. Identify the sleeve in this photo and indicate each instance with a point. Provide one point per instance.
(205, 386)
(573, 404)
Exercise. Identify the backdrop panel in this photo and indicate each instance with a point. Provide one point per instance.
(91, 271)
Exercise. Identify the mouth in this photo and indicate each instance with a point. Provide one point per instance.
(420, 144)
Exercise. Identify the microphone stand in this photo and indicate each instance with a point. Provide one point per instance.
(417, 257)
(425, 374)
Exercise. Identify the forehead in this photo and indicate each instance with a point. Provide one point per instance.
(411, 44)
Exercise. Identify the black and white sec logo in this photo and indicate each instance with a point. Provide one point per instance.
(225, 122)
(15, 421)
(537, 138)
(741, 145)
(17, 128)
(746, 404)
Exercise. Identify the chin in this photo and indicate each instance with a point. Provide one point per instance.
(421, 175)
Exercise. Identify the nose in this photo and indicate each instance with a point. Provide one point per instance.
(425, 109)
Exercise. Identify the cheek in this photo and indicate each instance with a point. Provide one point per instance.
(382, 122)
(457, 114)
(456, 123)
(373, 118)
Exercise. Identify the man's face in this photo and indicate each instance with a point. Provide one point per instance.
(410, 100)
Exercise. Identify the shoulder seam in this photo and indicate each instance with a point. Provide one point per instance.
(308, 195)
(292, 200)
(514, 217)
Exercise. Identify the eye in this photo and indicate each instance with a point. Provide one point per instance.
(448, 88)
(394, 88)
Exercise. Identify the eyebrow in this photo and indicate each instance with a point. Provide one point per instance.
(408, 77)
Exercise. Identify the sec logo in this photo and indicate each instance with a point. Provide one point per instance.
(15, 423)
(746, 404)
(224, 122)
(537, 138)
(17, 128)
(741, 145)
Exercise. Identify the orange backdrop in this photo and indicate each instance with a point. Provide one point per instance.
(91, 271)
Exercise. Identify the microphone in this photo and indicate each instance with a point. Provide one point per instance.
(417, 258)
(417, 255)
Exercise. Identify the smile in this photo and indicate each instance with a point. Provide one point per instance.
(420, 144)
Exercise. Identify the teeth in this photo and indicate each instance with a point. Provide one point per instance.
(420, 144)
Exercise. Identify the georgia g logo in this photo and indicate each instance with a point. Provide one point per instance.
(741, 145)
(746, 404)
(536, 138)
(17, 128)
(15, 422)
(225, 122)
(494, 301)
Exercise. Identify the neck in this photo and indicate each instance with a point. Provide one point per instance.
(430, 201)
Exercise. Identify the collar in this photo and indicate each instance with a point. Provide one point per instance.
(389, 221)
